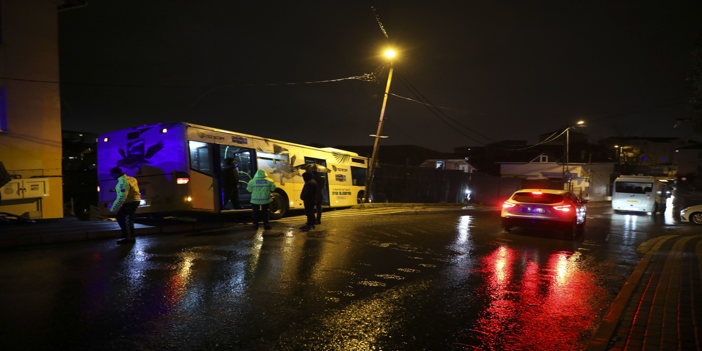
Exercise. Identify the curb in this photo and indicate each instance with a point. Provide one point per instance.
(601, 338)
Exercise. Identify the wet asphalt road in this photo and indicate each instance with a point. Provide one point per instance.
(360, 281)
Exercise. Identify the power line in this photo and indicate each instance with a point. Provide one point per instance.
(441, 115)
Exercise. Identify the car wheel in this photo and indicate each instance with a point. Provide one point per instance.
(507, 226)
(580, 230)
(571, 229)
(696, 218)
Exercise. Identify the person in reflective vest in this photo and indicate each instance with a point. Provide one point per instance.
(126, 203)
(261, 187)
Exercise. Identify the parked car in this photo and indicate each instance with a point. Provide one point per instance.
(692, 214)
(558, 208)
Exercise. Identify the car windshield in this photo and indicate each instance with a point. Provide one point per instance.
(538, 198)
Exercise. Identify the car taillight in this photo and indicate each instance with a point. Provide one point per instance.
(182, 180)
(563, 208)
(508, 204)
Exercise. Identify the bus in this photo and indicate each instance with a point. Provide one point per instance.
(636, 193)
(179, 167)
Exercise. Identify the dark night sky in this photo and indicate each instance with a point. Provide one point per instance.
(501, 69)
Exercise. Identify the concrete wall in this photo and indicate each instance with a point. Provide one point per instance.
(29, 67)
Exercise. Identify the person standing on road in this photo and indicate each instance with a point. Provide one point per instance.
(230, 175)
(126, 203)
(261, 187)
(309, 198)
(318, 197)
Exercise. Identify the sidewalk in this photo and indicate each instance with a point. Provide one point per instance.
(660, 305)
(72, 229)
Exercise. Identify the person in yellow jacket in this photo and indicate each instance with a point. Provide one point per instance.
(126, 203)
(261, 187)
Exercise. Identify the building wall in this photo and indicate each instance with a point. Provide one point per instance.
(590, 181)
(689, 161)
(29, 74)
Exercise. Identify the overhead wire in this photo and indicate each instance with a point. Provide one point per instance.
(441, 115)
(546, 140)
(380, 24)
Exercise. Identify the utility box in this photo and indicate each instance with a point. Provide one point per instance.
(30, 188)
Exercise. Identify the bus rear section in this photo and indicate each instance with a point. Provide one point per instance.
(635, 194)
(157, 156)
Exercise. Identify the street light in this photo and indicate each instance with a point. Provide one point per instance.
(390, 55)
(566, 171)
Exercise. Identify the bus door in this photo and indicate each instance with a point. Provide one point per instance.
(323, 175)
(236, 168)
(204, 185)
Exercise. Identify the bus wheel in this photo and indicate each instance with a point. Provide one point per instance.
(360, 197)
(278, 207)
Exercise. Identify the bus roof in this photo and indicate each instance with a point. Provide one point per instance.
(635, 178)
(193, 125)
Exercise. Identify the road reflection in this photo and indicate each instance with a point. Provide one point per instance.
(534, 304)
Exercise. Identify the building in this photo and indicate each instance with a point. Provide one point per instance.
(454, 164)
(79, 173)
(689, 162)
(30, 119)
(590, 181)
(654, 156)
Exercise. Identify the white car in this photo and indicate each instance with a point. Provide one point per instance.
(692, 214)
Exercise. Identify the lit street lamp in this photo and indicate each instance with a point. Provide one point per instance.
(389, 54)
(566, 171)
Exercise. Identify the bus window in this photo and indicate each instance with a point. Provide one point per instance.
(273, 163)
(200, 157)
(246, 165)
(358, 176)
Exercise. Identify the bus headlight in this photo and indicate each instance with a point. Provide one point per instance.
(188, 199)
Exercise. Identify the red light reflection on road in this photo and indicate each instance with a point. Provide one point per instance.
(177, 283)
(536, 306)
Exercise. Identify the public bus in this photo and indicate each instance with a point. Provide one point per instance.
(632, 193)
(179, 167)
